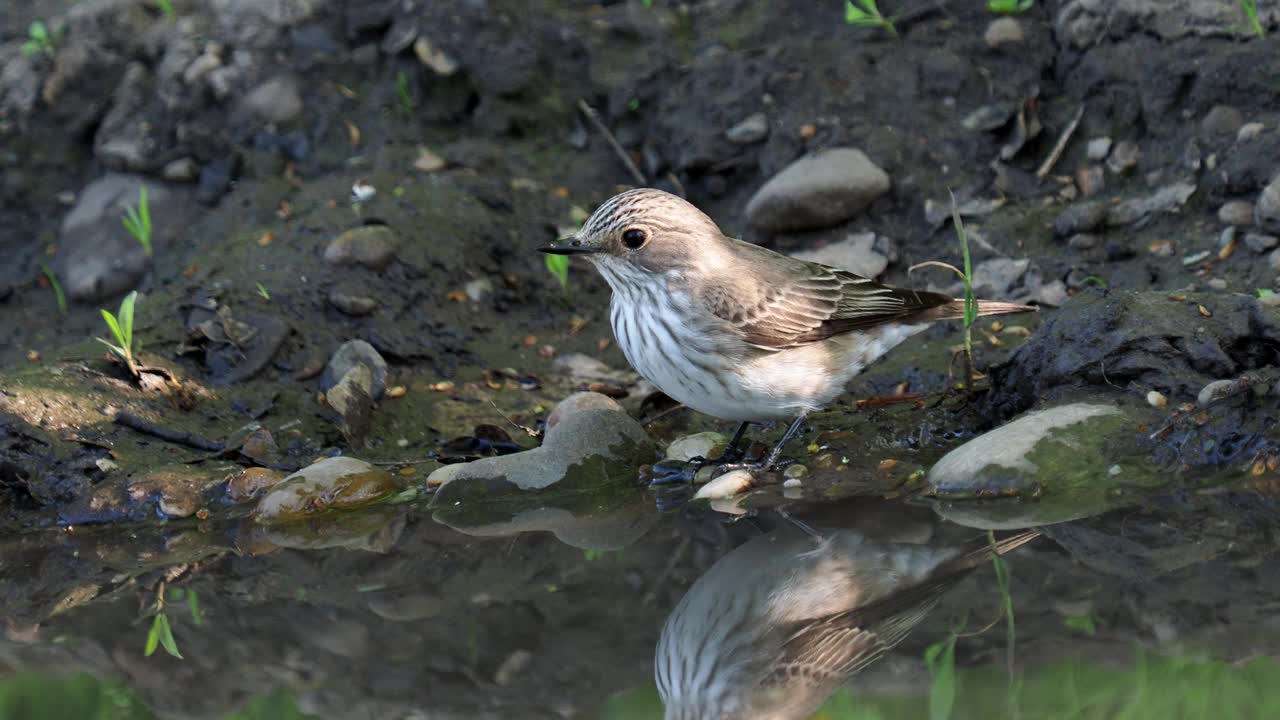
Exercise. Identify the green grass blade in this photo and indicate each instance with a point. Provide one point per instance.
(153, 637)
(113, 325)
(193, 604)
(559, 267)
(144, 210)
(940, 658)
(166, 637)
(126, 318)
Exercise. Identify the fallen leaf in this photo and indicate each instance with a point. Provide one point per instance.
(353, 132)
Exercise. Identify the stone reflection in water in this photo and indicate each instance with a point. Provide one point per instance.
(781, 622)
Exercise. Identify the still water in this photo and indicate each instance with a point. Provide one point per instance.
(861, 609)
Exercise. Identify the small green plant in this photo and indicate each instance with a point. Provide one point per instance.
(1264, 292)
(1009, 7)
(61, 296)
(558, 265)
(865, 13)
(166, 8)
(1006, 599)
(1095, 280)
(161, 634)
(122, 331)
(1250, 8)
(40, 40)
(647, 3)
(407, 104)
(970, 302)
(1085, 624)
(262, 291)
(940, 658)
(137, 220)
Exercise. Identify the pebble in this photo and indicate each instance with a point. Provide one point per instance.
(1266, 213)
(478, 289)
(514, 664)
(1215, 390)
(792, 483)
(1083, 241)
(181, 170)
(351, 354)
(1236, 212)
(734, 482)
(795, 471)
(251, 482)
(818, 190)
(277, 100)
(1098, 149)
(855, 253)
(440, 62)
(428, 161)
(1003, 31)
(1260, 243)
(754, 129)
(706, 445)
(1217, 284)
(1222, 120)
(351, 302)
(1274, 260)
(372, 246)
(1249, 131)
(1124, 157)
(1091, 180)
(1156, 399)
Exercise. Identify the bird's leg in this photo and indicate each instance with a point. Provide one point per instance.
(682, 473)
(731, 452)
(772, 458)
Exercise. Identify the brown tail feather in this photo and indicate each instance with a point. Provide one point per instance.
(954, 310)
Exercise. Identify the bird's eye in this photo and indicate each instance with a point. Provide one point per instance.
(634, 238)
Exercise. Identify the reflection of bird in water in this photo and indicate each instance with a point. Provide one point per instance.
(777, 625)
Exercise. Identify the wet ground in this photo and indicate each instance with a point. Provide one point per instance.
(397, 614)
(352, 191)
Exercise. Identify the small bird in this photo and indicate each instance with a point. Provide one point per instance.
(737, 331)
(781, 622)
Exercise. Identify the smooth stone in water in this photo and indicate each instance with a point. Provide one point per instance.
(373, 246)
(818, 190)
(336, 483)
(730, 484)
(1260, 243)
(1215, 391)
(706, 445)
(1032, 453)
(252, 482)
(350, 302)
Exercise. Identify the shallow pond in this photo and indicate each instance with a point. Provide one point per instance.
(1163, 609)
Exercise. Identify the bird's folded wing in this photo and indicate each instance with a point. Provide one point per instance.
(788, 302)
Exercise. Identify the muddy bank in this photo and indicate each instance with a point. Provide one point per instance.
(320, 174)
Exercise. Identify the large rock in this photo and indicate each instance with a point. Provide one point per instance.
(97, 257)
(818, 190)
(597, 443)
(1137, 341)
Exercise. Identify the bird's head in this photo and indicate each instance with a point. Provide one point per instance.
(643, 229)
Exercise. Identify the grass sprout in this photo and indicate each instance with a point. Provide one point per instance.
(166, 8)
(1250, 8)
(970, 302)
(40, 40)
(262, 291)
(558, 265)
(865, 13)
(407, 103)
(61, 296)
(137, 220)
(121, 327)
(1009, 7)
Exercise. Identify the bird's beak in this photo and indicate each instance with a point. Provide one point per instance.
(568, 246)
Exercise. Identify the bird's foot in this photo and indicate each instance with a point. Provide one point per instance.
(683, 472)
(760, 466)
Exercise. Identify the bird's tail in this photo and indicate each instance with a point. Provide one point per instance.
(954, 310)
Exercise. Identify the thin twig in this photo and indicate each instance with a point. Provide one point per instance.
(133, 422)
(1061, 145)
(594, 118)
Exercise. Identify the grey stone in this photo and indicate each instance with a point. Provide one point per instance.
(855, 253)
(334, 483)
(1083, 241)
(582, 368)
(575, 449)
(1260, 243)
(1003, 31)
(351, 301)
(1214, 391)
(706, 445)
(19, 81)
(754, 129)
(277, 100)
(1098, 149)
(1266, 212)
(817, 190)
(181, 170)
(350, 355)
(1222, 120)
(1124, 157)
(373, 246)
(1249, 131)
(1236, 212)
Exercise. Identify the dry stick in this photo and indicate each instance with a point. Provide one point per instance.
(133, 422)
(598, 124)
(1061, 145)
